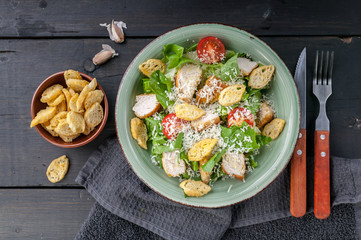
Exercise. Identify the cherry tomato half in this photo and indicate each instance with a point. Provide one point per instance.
(210, 50)
(238, 115)
(172, 125)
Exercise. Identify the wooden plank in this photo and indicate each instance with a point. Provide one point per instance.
(43, 18)
(24, 155)
(43, 214)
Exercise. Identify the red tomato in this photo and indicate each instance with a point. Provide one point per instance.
(238, 115)
(210, 50)
(172, 125)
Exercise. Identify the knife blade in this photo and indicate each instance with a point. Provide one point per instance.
(298, 194)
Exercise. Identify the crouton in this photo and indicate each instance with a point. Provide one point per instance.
(55, 120)
(188, 112)
(231, 95)
(205, 176)
(46, 126)
(194, 188)
(94, 115)
(201, 149)
(51, 93)
(43, 116)
(264, 115)
(246, 66)
(261, 76)
(208, 120)
(274, 128)
(209, 93)
(71, 74)
(150, 66)
(139, 132)
(146, 105)
(187, 79)
(70, 138)
(57, 169)
(234, 165)
(76, 84)
(172, 164)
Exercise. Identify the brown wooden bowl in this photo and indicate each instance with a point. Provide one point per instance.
(36, 106)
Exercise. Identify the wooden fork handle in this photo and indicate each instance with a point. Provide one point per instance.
(322, 204)
(298, 194)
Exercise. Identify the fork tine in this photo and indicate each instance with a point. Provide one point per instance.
(330, 69)
(315, 72)
(319, 79)
(325, 71)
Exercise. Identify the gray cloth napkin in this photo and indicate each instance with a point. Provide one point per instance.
(102, 224)
(109, 179)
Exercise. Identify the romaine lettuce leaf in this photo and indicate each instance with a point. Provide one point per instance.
(192, 48)
(155, 134)
(230, 69)
(251, 161)
(173, 55)
(208, 167)
(254, 101)
(146, 86)
(160, 85)
(242, 138)
(263, 140)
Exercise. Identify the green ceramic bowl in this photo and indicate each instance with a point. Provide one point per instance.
(271, 161)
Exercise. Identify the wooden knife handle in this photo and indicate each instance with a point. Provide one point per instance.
(322, 175)
(298, 194)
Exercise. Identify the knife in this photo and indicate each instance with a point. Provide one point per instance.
(298, 195)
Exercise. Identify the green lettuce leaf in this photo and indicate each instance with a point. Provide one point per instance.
(251, 161)
(178, 143)
(243, 137)
(192, 48)
(173, 55)
(160, 85)
(159, 140)
(263, 140)
(230, 69)
(254, 101)
(208, 167)
(146, 86)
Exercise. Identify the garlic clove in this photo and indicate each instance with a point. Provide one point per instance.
(115, 30)
(104, 55)
(117, 33)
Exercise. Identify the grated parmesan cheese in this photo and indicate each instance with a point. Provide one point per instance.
(191, 137)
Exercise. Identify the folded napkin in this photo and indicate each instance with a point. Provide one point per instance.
(109, 179)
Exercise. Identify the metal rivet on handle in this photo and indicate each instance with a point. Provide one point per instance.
(299, 135)
(323, 137)
(299, 152)
(323, 154)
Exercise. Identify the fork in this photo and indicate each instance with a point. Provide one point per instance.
(322, 89)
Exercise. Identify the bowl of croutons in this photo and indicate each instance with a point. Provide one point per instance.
(69, 109)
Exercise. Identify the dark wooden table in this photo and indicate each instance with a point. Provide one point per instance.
(39, 38)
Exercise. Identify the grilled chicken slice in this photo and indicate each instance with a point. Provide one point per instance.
(208, 120)
(172, 164)
(209, 93)
(146, 105)
(264, 115)
(234, 165)
(246, 66)
(187, 80)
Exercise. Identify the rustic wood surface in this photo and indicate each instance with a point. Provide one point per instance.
(42, 213)
(66, 18)
(39, 38)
